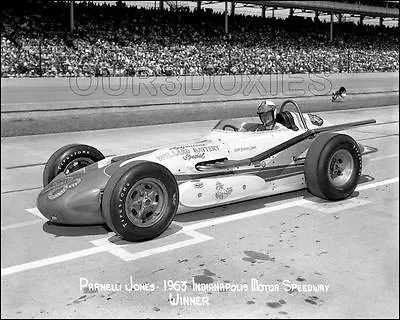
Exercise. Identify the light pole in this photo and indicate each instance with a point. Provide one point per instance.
(227, 37)
(226, 17)
(71, 16)
(40, 54)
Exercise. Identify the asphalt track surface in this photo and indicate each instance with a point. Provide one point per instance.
(294, 238)
(38, 106)
(87, 92)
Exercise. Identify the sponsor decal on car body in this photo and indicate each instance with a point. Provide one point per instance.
(195, 151)
(242, 149)
(58, 187)
(222, 192)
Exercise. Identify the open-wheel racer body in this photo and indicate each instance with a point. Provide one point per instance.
(138, 195)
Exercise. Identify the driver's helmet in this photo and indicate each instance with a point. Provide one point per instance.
(342, 91)
(266, 112)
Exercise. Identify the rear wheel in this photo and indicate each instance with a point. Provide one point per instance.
(140, 200)
(68, 159)
(333, 166)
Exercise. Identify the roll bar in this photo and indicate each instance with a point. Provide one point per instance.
(303, 121)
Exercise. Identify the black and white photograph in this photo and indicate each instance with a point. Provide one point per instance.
(199, 159)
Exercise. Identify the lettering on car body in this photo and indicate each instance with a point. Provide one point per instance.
(188, 152)
(242, 149)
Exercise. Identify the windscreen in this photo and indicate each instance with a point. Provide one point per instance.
(235, 125)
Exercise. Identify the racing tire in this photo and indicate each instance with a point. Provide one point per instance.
(68, 159)
(332, 167)
(140, 200)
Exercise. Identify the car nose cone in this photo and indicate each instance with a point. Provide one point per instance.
(70, 201)
(52, 209)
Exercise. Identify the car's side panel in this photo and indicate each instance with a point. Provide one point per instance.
(218, 190)
(221, 192)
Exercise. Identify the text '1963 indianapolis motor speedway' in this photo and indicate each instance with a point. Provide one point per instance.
(138, 195)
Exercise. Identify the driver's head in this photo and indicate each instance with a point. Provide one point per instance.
(266, 112)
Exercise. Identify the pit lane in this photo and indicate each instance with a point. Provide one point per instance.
(351, 245)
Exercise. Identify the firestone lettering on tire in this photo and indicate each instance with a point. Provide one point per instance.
(174, 199)
(64, 161)
(122, 206)
(357, 150)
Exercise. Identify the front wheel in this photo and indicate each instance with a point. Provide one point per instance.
(140, 200)
(68, 159)
(332, 167)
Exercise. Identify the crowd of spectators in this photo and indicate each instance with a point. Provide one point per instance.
(119, 40)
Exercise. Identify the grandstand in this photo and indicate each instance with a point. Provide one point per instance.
(383, 12)
(67, 38)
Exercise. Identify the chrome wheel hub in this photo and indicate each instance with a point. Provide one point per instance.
(341, 166)
(77, 164)
(146, 202)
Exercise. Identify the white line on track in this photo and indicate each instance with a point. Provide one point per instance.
(315, 203)
(36, 212)
(385, 157)
(73, 101)
(246, 214)
(362, 109)
(377, 184)
(117, 250)
(33, 211)
(104, 244)
(52, 260)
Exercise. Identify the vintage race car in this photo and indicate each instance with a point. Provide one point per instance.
(138, 195)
